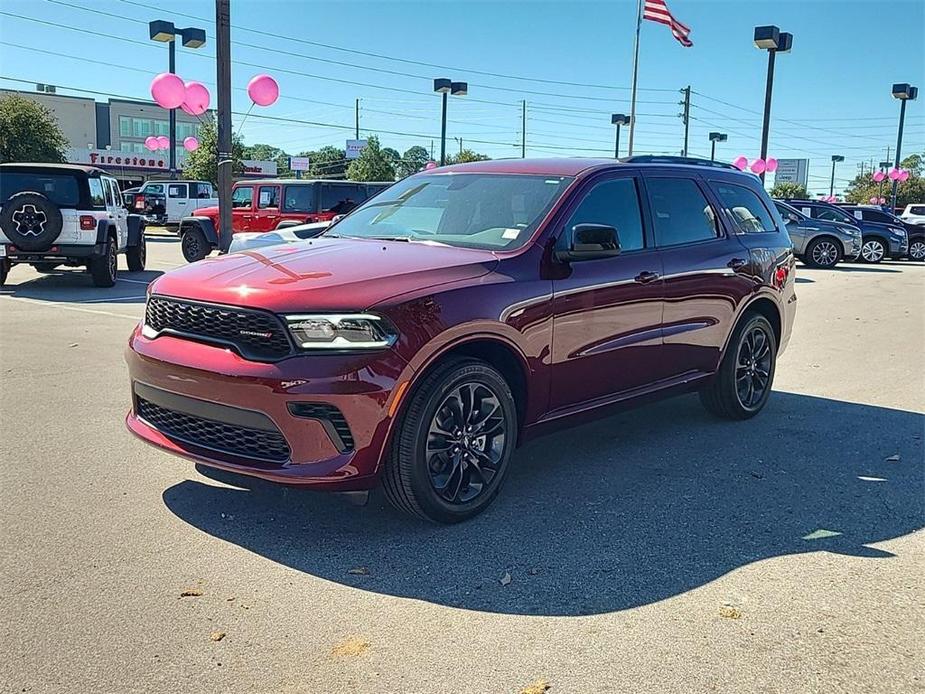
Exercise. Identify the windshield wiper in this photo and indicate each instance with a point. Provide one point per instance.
(405, 239)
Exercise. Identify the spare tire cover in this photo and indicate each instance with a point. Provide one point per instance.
(31, 221)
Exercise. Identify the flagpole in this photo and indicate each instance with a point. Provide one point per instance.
(635, 75)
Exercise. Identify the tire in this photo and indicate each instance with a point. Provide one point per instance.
(4, 271)
(873, 250)
(194, 245)
(137, 255)
(412, 478)
(31, 221)
(45, 268)
(105, 269)
(724, 395)
(823, 252)
(917, 249)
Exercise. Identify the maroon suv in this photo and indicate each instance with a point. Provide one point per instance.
(460, 312)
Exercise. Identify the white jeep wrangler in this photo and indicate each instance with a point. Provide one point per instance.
(63, 214)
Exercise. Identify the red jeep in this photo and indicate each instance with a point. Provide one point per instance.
(270, 204)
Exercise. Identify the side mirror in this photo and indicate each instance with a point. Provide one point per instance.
(588, 242)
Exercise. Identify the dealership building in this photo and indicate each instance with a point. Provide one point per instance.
(111, 135)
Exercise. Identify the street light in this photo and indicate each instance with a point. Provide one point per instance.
(444, 86)
(835, 159)
(714, 138)
(618, 119)
(774, 41)
(165, 32)
(904, 92)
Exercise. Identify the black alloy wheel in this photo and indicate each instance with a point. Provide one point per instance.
(753, 367)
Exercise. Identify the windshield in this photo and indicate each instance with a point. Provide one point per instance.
(472, 210)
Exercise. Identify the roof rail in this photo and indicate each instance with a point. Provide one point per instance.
(667, 159)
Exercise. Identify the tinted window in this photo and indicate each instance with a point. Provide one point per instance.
(832, 214)
(176, 190)
(917, 209)
(268, 196)
(875, 216)
(616, 204)
(682, 214)
(299, 198)
(203, 190)
(242, 197)
(96, 192)
(107, 192)
(746, 209)
(341, 198)
(61, 189)
(155, 188)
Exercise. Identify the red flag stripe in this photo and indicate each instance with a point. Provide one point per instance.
(657, 11)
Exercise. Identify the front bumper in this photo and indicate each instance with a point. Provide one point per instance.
(242, 410)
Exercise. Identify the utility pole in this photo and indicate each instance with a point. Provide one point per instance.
(523, 129)
(459, 140)
(686, 116)
(223, 81)
(356, 132)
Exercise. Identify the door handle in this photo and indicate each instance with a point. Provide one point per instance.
(737, 263)
(646, 277)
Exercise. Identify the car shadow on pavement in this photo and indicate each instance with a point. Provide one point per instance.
(847, 267)
(615, 514)
(73, 285)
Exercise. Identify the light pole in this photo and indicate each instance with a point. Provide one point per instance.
(166, 32)
(835, 159)
(714, 138)
(904, 92)
(774, 41)
(884, 165)
(618, 119)
(444, 86)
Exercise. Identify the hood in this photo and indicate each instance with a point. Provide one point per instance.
(323, 274)
(205, 211)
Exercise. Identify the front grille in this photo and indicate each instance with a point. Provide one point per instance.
(218, 436)
(255, 334)
(333, 420)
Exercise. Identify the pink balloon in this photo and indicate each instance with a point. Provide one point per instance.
(903, 175)
(770, 165)
(196, 99)
(263, 90)
(151, 143)
(882, 201)
(163, 142)
(759, 166)
(741, 163)
(894, 174)
(168, 90)
(430, 165)
(878, 176)
(190, 144)
(873, 200)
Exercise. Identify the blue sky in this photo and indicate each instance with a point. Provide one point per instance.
(831, 92)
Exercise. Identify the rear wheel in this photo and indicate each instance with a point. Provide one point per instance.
(823, 253)
(453, 445)
(137, 255)
(873, 250)
(194, 245)
(4, 271)
(917, 249)
(105, 268)
(743, 382)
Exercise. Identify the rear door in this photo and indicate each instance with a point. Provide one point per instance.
(117, 211)
(177, 201)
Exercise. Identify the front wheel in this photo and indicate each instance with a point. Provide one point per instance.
(742, 385)
(873, 250)
(194, 245)
(4, 270)
(453, 445)
(917, 249)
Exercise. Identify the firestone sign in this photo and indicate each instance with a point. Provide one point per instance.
(105, 157)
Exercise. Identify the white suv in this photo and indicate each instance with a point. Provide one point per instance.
(63, 214)
(914, 214)
(178, 199)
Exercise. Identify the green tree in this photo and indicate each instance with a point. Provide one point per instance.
(29, 132)
(863, 188)
(202, 164)
(327, 162)
(412, 161)
(790, 190)
(262, 152)
(466, 156)
(372, 165)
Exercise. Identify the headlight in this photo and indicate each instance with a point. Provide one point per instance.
(341, 331)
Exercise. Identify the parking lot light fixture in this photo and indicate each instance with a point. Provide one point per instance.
(714, 138)
(904, 92)
(774, 41)
(835, 159)
(445, 87)
(618, 119)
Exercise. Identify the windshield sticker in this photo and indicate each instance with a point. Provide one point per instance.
(510, 233)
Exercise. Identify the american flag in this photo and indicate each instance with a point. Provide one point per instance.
(658, 11)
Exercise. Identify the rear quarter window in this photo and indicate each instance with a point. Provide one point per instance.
(63, 189)
(745, 208)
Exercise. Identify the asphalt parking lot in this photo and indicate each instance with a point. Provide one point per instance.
(658, 550)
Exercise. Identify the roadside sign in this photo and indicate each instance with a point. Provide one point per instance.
(299, 164)
(354, 148)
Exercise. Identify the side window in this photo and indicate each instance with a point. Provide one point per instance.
(268, 197)
(242, 197)
(205, 190)
(157, 188)
(116, 195)
(681, 212)
(875, 216)
(746, 209)
(299, 198)
(107, 192)
(616, 204)
(176, 190)
(96, 192)
(828, 215)
(341, 198)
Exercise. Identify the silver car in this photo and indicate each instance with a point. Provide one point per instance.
(818, 242)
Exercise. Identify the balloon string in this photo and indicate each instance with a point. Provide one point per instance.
(241, 126)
